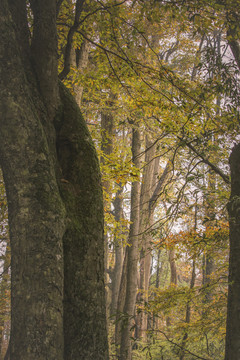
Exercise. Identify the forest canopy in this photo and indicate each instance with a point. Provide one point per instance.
(157, 84)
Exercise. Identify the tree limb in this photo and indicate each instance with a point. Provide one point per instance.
(181, 347)
(215, 168)
(152, 201)
(59, 3)
(72, 30)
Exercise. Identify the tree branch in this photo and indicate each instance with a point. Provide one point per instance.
(234, 45)
(152, 201)
(232, 35)
(215, 168)
(58, 6)
(181, 347)
(72, 30)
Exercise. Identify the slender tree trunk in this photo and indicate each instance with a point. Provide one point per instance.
(146, 220)
(82, 56)
(157, 284)
(159, 268)
(188, 311)
(173, 267)
(120, 304)
(173, 276)
(117, 272)
(107, 148)
(210, 210)
(5, 302)
(132, 251)
(150, 190)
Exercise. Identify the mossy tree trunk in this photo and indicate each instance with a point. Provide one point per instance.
(54, 198)
(83, 241)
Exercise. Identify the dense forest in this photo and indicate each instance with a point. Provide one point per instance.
(119, 222)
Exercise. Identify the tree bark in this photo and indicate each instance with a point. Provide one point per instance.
(5, 301)
(120, 304)
(132, 254)
(150, 190)
(107, 148)
(146, 220)
(54, 198)
(173, 267)
(233, 308)
(117, 272)
(188, 312)
(232, 350)
(36, 212)
(84, 293)
(82, 56)
(173, 276)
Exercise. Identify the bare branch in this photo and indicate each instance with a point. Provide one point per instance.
(234, 45)
(205, 160)
(74, 28)
(152, 201)
(181, 347)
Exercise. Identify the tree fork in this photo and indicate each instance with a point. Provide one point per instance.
(51, 204)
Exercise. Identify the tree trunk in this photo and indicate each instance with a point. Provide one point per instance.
(82, 56)
(173, 276)
(146, 220)
(210, 211)
(132, 253)
(150, 191)
(157, 284)
(232, 350)
(84, 298)
(117, 272)
(173, 268)
(188, 312)
(5, 303)
(107, 148)
(233, 308)
(54, 198)
(120, 304)
(36, 212)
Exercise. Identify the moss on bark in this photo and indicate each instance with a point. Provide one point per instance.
(84, 299)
